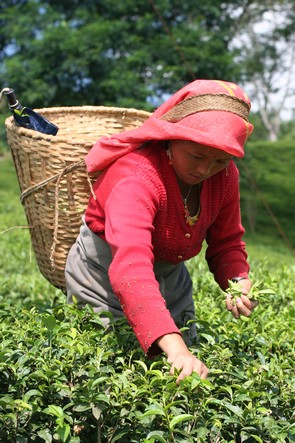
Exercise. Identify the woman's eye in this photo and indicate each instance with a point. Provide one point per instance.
(197, 157)
(223, 162)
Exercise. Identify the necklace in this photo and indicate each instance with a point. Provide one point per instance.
(189, 219)
(187, 196)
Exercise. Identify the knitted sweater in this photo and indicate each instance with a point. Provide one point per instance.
(140, 213)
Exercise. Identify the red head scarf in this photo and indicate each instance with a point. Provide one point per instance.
(210, 112)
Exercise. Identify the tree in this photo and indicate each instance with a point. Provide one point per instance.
(267, 53)
(107, 52)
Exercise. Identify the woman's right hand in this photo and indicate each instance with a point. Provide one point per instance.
(180, 358)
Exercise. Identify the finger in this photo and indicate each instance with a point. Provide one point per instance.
(250, 303)
(181, 376)
(246, 301)
(245, 286)
(235, 312)
(204, 373)
(229, 302)
(184, 372)
(243, 310)
(172, 368)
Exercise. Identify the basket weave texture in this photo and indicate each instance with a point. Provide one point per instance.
(54, 184)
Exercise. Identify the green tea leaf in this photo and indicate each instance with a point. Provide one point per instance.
(46, 435)
(54, 410)
(256, 438)
(63, 432)
(153, 411)
(235, 409)
(157, 436)
(22, 405)
(96, 412)
(179, 419)
(31, 393)
(49, 321)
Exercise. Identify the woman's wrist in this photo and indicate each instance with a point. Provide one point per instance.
(172, 344)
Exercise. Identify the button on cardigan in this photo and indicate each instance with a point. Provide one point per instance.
(139, 211)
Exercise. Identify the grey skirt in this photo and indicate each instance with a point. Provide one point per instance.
(87, 279)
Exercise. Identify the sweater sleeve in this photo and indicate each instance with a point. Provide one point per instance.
(226, 255)
(130, 212)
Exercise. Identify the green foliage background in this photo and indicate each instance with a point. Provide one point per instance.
(120, 53)
(267, 184)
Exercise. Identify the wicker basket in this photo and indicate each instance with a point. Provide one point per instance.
(54, 184)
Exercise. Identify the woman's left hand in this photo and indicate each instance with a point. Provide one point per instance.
(242, 305)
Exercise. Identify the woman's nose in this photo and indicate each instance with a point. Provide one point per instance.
(205, 167)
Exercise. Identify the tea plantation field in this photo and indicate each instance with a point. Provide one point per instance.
(64, 379)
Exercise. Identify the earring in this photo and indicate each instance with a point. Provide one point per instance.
(169, 154)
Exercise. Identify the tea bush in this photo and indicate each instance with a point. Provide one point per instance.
(63, 378)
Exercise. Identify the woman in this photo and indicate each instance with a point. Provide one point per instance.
(165, 188)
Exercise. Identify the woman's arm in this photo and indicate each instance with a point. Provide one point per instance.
(226, 255)
(130, 212)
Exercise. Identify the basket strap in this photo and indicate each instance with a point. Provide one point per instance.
(57, 177)
(27, 192)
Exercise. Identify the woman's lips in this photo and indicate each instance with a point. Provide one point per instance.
(198, 178)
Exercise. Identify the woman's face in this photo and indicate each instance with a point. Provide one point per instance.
(194, 163)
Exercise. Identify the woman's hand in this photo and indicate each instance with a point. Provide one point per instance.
(187, 363)
(242, 305)
(180, 358)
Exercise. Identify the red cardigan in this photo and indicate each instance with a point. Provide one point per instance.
(140, 213)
